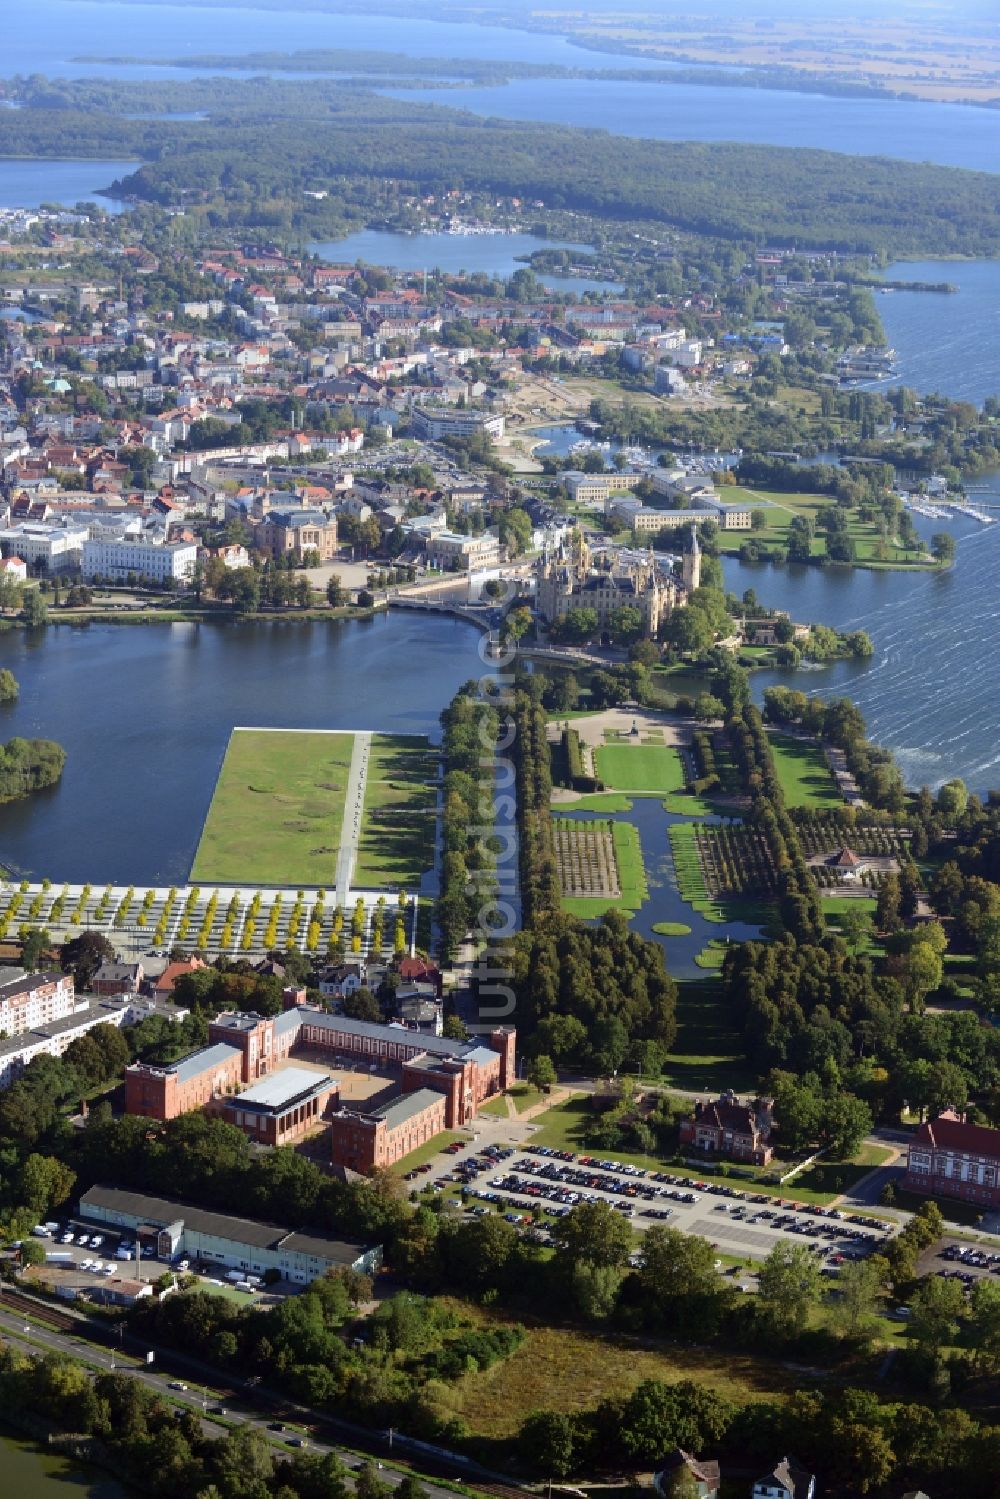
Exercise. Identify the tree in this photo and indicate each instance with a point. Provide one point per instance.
(35, 941)
(677, 1284)
(546, 1443)
(36, 610)
(859, 1292)
(844, 1122)
(9, 688)
(943, 547)
(362, 1005)
(935, 1311)
(984, 1323)
(83, 956)
(658, 1416)
(855, 926)
(515, 531)
(593, 1233)
(758, 520)
(922, 974)
(788, 1286)
(542, 1073)
(708, 708)
(952, 799)
(887, 907)
(689, 631)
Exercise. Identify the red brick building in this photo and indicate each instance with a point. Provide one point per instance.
(949, 1158)
(730, 1129)
(443, 1083)
(365, 1141)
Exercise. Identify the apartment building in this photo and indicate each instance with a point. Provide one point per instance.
(28, 1000)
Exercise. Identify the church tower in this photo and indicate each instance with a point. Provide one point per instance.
(691, 562)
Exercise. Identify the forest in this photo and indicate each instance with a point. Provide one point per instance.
(282, 137)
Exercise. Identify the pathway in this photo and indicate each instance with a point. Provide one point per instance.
(354, 811)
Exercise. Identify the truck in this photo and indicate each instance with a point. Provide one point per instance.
(234, 1276)
(58, 1257)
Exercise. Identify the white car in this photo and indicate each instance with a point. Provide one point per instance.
(97, 1241)
(108, 1269)
(66, 1238)
(87, 1265)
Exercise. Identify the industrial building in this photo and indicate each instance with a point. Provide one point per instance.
(167, 1229)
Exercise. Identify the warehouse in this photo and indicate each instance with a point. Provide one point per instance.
(167, 1229)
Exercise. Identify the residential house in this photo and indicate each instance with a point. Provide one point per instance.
(703, 1474)
(731, 1129)
(786, 1480)
(117, 978)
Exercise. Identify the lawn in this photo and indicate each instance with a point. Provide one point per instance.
(397, 837)
(708, 1053)
(781, 508)
(639, 767)
(427, 1152)
(277, 811)
(803, 773)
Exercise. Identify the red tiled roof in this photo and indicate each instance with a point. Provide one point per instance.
(951, 1133)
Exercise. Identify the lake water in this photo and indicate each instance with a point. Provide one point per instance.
(146, 712)
(28, 1472)
(48, 36)
(948, 134)
(946, 343)
(930, 693)
(26, 184)
(493, 254)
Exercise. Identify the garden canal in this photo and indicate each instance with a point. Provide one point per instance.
(665, 904)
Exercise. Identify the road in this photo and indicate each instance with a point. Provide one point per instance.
(354, 813)
(208, 1389)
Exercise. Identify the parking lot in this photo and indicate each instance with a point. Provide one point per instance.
(532, 1185)
(952, 1260)
(82, 1257)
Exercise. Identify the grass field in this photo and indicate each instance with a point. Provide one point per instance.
(397, 839)
(708, 1052)
(277, 812)
(567, 1369)
(803, 773)
(639, 767)
(781, 508)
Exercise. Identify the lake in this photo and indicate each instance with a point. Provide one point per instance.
(146, 712)
(29, 1472)
(27, 184)
(948, 134)
(48, 36)
(945, 343)
(930, 692)
(493, 254)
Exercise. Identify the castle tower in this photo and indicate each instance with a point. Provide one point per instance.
(691, 562)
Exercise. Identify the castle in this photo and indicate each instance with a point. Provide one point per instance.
(571, 580)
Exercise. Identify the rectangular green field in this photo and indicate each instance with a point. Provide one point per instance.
(803, 773)
(397, 837)
(639, 767)
(277, 814)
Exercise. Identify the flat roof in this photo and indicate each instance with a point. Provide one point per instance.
(284, 1087)
(202, 1061)
(161, 1212)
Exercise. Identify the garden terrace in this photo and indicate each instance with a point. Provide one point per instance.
(585, 856)
(735, 859)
